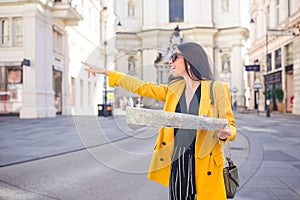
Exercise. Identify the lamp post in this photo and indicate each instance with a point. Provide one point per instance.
(105, 106)
(267, 70)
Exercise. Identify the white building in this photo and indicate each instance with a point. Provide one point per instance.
(275, 43)
(54, 37)
(149, 31)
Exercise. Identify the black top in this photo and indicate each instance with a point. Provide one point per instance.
(182, 178)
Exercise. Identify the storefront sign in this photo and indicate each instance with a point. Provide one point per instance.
(255, 68)
(26, 62)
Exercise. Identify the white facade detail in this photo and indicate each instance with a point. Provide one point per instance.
(218, 29)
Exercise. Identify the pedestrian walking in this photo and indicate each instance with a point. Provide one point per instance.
(189, 162)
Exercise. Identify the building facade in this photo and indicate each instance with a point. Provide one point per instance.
(42, 44)
(151, 30)
(275, 47)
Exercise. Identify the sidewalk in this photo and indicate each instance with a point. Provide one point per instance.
(272, 168)
(24, 140)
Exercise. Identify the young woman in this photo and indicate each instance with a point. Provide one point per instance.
(189, 162)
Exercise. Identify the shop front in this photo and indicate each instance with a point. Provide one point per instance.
(272, 81)
(11, 84)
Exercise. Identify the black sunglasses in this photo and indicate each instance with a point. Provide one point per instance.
(174, 56)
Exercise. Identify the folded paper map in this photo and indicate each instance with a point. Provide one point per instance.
(160, 118)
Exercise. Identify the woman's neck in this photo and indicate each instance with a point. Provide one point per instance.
(191, 84)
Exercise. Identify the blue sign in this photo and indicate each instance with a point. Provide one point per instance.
(26, 62)
(255, 68)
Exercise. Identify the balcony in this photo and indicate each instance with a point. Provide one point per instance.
(63, 10)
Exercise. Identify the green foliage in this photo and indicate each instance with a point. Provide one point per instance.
(278, 94)
(269, 93)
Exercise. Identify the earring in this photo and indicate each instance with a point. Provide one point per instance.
(189, 67)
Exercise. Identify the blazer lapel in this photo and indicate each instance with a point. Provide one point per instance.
(176, 90)
(205, 101)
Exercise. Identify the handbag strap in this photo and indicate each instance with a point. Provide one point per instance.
(212, 100)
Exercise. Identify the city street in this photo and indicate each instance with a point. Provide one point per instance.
(102, 158)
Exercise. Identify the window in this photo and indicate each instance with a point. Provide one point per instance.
(269, 62)
(5, 32)
(81, 92)
(18, 30)
(175, 10)
(226, 63)
(225, 5)
(277, 8)
(278, 59)
(289, 54)
(131, 9)
(73, 91)
(57, 40)
(131, 64)
(10, 89)
(289, 8)
(11, 31)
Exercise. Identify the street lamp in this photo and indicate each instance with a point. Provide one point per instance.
(266, 79)
(105, 106)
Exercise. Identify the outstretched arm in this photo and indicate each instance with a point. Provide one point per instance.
(91, 69)
(133, 84)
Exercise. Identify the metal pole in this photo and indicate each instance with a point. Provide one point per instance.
(267, 77)
(105, 67)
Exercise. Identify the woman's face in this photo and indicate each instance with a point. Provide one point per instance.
(176, 63)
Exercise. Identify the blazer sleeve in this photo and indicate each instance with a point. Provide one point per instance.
(135, 85)
(224, 108)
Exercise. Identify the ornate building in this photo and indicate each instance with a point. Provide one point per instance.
(151, 29)
(41, 46)
(275, 47)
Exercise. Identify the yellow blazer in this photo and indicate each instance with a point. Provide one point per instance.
(208, 150)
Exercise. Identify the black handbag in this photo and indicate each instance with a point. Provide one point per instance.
(231, 178)
(230, 172)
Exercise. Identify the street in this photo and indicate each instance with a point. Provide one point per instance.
(101, 158)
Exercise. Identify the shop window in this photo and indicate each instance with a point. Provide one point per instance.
(73, 91)
(176, 11)
(10, 89)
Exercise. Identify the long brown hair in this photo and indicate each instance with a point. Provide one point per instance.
(197, 59)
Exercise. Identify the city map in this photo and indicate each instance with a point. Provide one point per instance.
(160, 118)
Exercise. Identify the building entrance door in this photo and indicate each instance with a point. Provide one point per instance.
(57, 87)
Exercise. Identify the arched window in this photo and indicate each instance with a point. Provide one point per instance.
(225, 63)
(175, 10)
(131, 9)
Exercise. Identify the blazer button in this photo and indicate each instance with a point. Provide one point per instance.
(209, 173)
(164, 143)
(161, 159)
